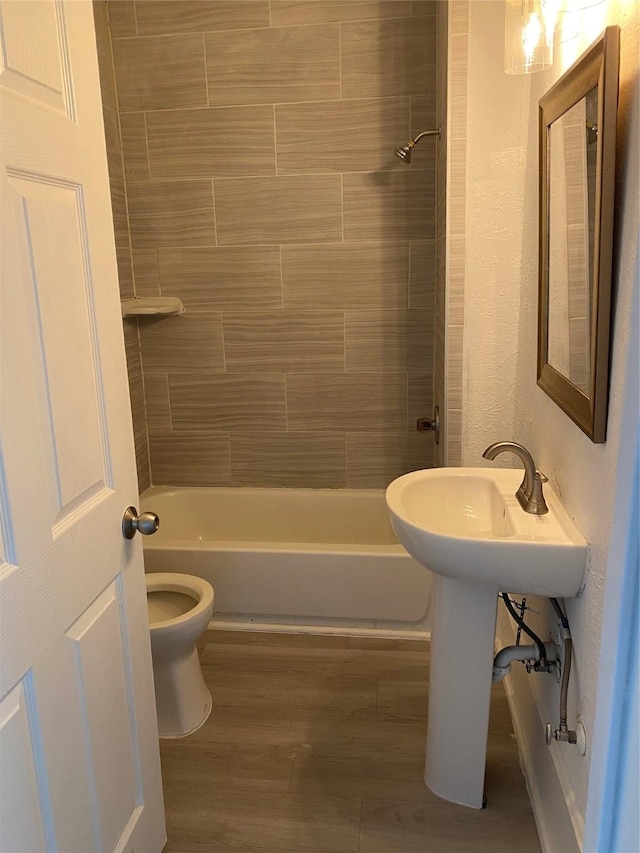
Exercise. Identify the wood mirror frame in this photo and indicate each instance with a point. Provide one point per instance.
(597, 68)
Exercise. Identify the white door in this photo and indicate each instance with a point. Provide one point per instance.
(79, 764)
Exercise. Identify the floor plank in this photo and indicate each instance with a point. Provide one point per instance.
(316, 745)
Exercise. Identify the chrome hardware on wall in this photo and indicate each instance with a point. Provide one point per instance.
(430, 425)
(146, 523)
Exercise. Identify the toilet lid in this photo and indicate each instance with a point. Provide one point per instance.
(164, 604)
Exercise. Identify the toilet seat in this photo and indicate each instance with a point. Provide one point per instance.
(193, 587)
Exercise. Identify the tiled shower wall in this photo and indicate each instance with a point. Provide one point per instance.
(121, 230)
(262, 190)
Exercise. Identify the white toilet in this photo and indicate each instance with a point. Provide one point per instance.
(180, 608)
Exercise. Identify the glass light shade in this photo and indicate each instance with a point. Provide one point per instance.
(528, 37)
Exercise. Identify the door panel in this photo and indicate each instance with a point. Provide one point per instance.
(80, 764)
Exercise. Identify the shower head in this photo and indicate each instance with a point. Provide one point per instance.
(404, 153)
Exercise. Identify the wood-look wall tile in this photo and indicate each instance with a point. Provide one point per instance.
(346, 275)
(266, 66)
(454, 436)
(456, 279)
(105, 60)
(420, 390)
(220, 142)
(226, 402)
(225, 278)
(161, 17)
(341, 136)
(190, 459)
(134, 146)
(145, 272)
(388, 340)
(122, 18)
(375, 459)
(422, 8)
(156, 401)
(284, 340)
(160, 72)
(125, 272)
(268, 211)
(384, 58)
(423, 274)
(119, 213)
(389, 206)
(287, 13)
(455, 335)
(132, 345)
(112, 139)
(339, 401)
(171, 213)
(288, 460)
(182, 344)
(424, 117)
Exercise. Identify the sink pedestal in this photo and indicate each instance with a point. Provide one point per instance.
(462, 649)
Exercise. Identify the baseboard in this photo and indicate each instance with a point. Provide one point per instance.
(556, 817)
(378, 632)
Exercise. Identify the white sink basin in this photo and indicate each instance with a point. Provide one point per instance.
(466, 526)
(466, 523)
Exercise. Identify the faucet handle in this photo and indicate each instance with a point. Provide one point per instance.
(536, 502)
(541, 477)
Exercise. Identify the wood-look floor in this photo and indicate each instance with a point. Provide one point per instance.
(317, 744)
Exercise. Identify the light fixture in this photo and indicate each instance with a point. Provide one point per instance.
(528, 35)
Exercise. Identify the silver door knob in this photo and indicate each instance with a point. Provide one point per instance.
(145, 523)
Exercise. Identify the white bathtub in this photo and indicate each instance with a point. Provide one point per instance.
(320, 561)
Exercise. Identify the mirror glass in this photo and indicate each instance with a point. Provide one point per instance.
(573, 150)
(577, 130)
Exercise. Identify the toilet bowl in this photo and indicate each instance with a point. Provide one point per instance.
(180, 608)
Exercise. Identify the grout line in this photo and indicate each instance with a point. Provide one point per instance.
(135, 18)
(326, 100)
(270, 22)
(400, 169)
(206, 75)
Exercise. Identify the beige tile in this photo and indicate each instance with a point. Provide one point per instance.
(344, 402)
(105, 60)
(375, 459)
(455, 336)
(112, 139)
(455, 284)
(386, 58)
(228, 402)
(267, 66)
(341, 136)
(221, 142)
(156, 398)
(160, 72)
(453, 427)
(189, 459)
(389, 205)
(145, 272)
(420, 390)
(285, 13)
(287, 460)
(459, 17)
(422, 8)
(388, 339)
(423, 117)
(423, 272)
(355, 275)
(134, 146)
(182, 344)
(160, 17)
(231, 278)
(279, 210)
(125, 272)
(171, 213)
(284, 340)
(122, 18)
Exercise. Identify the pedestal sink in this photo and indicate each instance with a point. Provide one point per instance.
(466, 526)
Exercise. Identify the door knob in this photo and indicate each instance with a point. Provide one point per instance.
(146, 523)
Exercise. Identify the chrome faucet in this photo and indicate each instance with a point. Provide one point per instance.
(529, 494)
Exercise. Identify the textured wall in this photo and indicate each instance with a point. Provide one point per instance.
(501, 398)
(121, 231)
(262, 190)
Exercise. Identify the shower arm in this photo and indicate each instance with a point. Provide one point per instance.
(416, 139)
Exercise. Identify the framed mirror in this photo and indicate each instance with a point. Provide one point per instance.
(577, 127)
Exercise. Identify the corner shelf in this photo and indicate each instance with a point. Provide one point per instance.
(147, 305)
